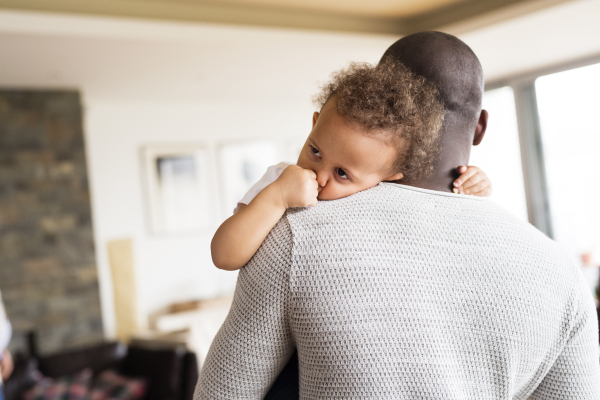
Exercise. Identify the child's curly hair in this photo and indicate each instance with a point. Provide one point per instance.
(390, 99)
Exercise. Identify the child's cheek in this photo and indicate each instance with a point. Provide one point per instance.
(331, 192)
(324, 194)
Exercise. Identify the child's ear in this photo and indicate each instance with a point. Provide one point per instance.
(315, 118)
(395, 177)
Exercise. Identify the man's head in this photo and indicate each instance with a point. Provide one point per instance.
(376, 124)
(450, 65)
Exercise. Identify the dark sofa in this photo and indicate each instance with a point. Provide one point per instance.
(172, 373)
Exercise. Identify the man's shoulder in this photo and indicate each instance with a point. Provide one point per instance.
(384, 200)
(280, 237)
(331, 209)
(409, 216)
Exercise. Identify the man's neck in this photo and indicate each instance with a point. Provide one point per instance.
(455, 151)
(441, 182)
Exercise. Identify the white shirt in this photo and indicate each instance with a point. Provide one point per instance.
(5, 331)
(5, 328)
(269, 177)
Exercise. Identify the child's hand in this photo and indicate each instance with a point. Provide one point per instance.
(472, 181)
(298, 186)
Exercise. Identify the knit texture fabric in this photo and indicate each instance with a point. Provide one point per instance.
(403, 293)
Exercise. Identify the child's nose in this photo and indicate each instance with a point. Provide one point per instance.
(322, 179)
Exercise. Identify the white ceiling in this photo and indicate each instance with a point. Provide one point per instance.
(132, 60)
(135, 60)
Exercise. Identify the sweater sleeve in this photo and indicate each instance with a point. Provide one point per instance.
(576, 372)
(255, 341)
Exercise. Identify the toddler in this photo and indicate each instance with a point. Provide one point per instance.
(376, 124)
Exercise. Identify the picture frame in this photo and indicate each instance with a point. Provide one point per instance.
(176, 182)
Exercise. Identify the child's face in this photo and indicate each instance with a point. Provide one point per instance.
(345, 158)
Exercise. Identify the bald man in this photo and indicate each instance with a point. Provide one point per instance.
(408, 291)
(452, 66)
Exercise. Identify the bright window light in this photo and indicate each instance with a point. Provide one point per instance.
(499, 154)
(569, 103)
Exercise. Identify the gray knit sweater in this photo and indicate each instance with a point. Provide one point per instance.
(403, 293)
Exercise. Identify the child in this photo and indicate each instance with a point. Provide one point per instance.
(377, 124)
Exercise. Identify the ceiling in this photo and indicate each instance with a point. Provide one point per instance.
(135, 60)
(374, 16)
(376, 8)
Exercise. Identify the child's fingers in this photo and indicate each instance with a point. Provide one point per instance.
(486, 192)
(474, 179)
(469, 172)
(473, 186)
(313, 175)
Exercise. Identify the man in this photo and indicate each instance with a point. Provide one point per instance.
(410, 291)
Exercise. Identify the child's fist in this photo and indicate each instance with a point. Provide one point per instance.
(472, 181)
(299, 187)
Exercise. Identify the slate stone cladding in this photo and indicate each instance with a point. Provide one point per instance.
(48, 274)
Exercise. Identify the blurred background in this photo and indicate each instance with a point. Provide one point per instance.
(130, 128)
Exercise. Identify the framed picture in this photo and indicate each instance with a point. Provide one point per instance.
(176, 180)
(241, 165)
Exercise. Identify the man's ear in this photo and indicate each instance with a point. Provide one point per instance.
(481, 127)
(315, 118)
(395, 177)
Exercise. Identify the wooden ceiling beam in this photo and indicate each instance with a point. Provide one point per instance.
(214, 13)
(281, 17)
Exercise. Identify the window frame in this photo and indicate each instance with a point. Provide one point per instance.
(530, 137)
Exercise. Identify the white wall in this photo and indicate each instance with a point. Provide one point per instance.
(179, 268)
(156, 82)
(150, 82)
(169, 268)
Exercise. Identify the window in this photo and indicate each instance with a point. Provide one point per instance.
(499, 154)
(568, 103)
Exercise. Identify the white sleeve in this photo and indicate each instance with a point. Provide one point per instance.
(269, 177)
(5, 334)
(5, 328)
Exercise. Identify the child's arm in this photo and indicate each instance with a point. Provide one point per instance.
(240, 236)
(472, 181)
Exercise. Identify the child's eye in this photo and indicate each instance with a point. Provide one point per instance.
(315, 151)
(342, 174)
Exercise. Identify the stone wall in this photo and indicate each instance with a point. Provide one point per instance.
(48, 276)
